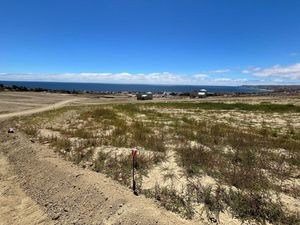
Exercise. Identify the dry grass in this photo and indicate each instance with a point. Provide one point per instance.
(250, 164)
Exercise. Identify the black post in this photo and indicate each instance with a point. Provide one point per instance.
(133, 180)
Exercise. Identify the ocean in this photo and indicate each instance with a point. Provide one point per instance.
(101, 87)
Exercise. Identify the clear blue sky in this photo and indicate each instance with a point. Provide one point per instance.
(154, 41)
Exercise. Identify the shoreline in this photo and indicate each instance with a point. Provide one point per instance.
(132, 89)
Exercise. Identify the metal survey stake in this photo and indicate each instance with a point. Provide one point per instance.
(133, 153)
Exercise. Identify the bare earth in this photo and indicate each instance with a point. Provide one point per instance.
(68, 194)
(19, 101)
(38, 187)
(15, 206)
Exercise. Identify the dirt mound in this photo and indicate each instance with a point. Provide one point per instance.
(15, 206)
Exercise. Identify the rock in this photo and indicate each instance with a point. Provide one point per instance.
(10, 130)
(56, 216)
(212, 219)
(75, 221)
(88, 164)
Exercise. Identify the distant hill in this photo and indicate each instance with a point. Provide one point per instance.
(276, 88)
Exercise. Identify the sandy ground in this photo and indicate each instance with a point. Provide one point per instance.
(67, 194)
(20, 101)
(37, 187)
(15, 206)
(37, 110)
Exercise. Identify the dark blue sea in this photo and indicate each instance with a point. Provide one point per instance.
(96, 87)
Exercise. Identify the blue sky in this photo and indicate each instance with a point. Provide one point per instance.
(221, 42)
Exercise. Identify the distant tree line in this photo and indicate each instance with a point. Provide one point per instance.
(25, 89)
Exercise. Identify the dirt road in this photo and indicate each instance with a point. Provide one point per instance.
(37, 110)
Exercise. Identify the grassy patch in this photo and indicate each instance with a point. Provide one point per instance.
(119, 167)
(30, 130)
(280, 108)
(171, 200)
(259, 207)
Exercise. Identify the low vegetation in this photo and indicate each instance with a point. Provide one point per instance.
(252, 166)
(264, 107)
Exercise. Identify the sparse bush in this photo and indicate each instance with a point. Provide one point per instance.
(196, 159)
(120, 167)
(212, 199)
(258, 206)
(99, 114)
(245, 159)
(61, 144)
(81, 155)
(99, 163)
(30, 130)
(171, 200)
(130, 109)
(244, 171)
(280, 108)
(83, 133)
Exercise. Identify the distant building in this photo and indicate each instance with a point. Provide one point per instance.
(165, 94)
(202, 93)
(144, 96)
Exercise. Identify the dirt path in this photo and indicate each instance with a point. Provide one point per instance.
(37, 110)
(67, 193)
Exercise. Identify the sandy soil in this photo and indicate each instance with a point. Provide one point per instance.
(159, 174)
(37, 110)
(37, 187)
(15, 206)
(67, 193)
(19, 101)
